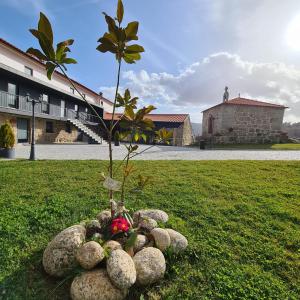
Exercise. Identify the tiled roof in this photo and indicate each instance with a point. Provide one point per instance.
(60, 74)
(171, 118)
(248, 102)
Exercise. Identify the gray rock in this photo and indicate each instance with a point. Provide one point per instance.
(141, 241)
(95, 285)
(59, 255)
(178, 241)
(121, 269)
(161, 238)
(148, 224)
(150, 266)
(112, 246)
(97, 236)
(94, 224)
(89, 255)
(104, 217)
(155, 214)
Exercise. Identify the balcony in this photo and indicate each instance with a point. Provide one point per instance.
(18, 104)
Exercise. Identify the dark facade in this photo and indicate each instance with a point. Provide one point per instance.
(56, 106)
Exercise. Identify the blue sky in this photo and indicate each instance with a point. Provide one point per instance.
(193, 48)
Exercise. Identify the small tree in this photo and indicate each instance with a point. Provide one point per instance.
(133, 121)
(7, 136)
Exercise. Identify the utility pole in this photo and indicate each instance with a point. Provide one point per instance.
(33, 103)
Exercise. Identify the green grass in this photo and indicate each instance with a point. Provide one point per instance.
(259, 146)
(242, 220)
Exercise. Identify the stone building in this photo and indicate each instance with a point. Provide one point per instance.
(242, 120)
(180, 124)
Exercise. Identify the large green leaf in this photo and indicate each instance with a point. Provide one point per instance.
(50, 67)
(131, 31)
(134, 49)
(120, 11)
(37, 53)
(44, 26)
(44, 43)
(109, 37)
(112, 27)
(107, 47)
(69, 61)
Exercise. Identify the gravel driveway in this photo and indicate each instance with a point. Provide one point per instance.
(83, 151)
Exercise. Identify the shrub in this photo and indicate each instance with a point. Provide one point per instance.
(7, 136)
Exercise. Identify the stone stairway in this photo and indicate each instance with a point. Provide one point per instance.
(90, 133)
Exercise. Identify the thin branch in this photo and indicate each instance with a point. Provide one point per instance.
(146, 149)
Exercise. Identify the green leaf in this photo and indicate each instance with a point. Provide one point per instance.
(109, 37)
(106, 47)
(62, 47)
(136, 137)
(44, 43)
(132, 57)
(50, 67)
(69, 61)
(127, 94)
(128, 60)
(120, 11)
(134, 49)
(131, 31)
(44, 26)
(112, 27)
(37, 53)
(129, 112)
(144, 137)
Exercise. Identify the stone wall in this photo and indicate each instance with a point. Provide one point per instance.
(244, 124)
(183, 135)
(59, 135)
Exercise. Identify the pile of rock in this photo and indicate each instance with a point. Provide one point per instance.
(109, 270)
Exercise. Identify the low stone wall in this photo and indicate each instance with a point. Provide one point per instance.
(59, 135)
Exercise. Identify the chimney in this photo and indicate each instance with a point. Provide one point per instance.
(100, 94)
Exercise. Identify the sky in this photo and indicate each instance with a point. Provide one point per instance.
(193, 49)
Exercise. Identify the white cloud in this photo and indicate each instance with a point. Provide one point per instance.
(201, 85)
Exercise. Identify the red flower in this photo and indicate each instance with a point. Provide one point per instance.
(119, 225)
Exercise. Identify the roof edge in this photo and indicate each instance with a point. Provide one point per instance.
(56, 72)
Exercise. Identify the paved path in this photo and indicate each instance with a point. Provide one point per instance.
(82, 152)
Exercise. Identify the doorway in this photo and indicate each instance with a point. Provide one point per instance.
(22, 130)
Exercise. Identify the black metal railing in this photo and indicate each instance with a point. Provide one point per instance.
(81, 116)
(19, 102)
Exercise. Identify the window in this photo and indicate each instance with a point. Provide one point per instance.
(101, 102)
(45, 104)
(45, 98)
(28, 71)
(210, 124)
(86, 110)
(72, 90)
(12, 95)
(49, 127)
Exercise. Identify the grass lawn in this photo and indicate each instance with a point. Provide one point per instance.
(242, 220)
(259, 146)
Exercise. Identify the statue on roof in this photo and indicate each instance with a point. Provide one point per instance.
(226, 94)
